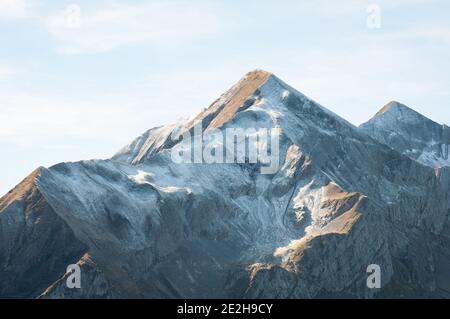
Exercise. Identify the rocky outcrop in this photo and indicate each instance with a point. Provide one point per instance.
(98, 285)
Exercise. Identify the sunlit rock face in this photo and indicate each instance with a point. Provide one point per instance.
(140, 225)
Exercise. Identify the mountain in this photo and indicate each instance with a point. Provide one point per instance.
(143, 225)
(411, 133)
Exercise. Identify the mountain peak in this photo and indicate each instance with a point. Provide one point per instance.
(258, 73)
(276, 104)
(395, 107)
(233, 100)
(396, 112)
(410, 133)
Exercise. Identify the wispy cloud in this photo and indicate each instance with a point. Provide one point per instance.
(14, 9)
(29, 118)
(438, 33)
(327, 8)
(7, 71)
(116, 25)
(4, 72)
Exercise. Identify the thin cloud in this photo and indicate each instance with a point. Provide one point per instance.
(35, 117)
(434, 33)
(115, 26)
(11, 9)
(326, 8)
(8, 71)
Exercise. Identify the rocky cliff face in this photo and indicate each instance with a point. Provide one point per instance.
(141, 225)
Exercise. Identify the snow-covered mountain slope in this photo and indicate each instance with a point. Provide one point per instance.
(150, 227)
(411, 133)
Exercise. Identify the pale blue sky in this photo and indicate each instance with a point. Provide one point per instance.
(69, 93)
